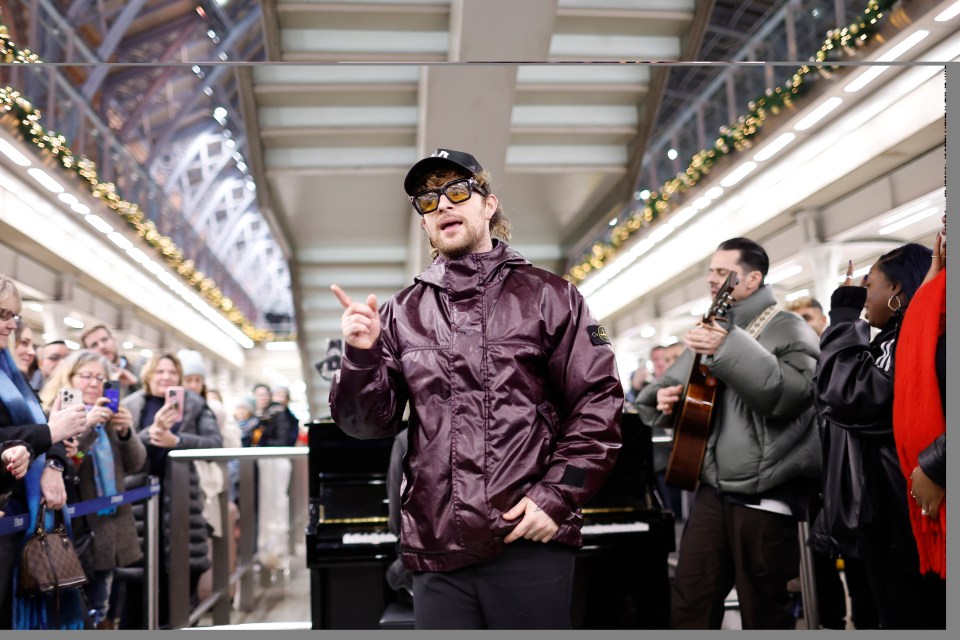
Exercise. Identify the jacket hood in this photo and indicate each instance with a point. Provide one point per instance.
(473, 269)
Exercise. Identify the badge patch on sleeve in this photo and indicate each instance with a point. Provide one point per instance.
(598, 335)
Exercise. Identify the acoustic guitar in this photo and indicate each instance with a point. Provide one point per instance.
(694, 410)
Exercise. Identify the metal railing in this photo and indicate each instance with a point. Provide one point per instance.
(219, 601)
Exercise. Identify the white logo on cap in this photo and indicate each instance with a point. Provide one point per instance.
(440, 153)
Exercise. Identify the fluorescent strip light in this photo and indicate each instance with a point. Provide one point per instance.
(906, 222)
(907, 211)
(138, 256)
(783, 274)
(127, 344)
(778, 143)
(949, 13)
(71, 344)
(120, 240)
(146, 353)
(80, 208)
(45, 181)
(700, 203)
(713, 193)
(872, 73)
(36, 306)
(648, 332)
(68, 198)
(738, 174)
(661, 232)
(70, 321)
(818, 114)
(288, 345)
(796, 295)
(682, 216)
(11, 152)
(98, 223)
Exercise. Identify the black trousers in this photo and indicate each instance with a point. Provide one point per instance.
(906, 599)
(726, 545)
(528, 587)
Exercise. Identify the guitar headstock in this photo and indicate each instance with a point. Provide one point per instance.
(724, 299)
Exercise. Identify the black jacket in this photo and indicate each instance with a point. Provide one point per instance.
(933, 459)
(864, 508)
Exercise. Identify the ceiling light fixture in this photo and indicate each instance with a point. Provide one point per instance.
(818, 114)
(796, 295)
(45, 180)
(738, 174)
(778, 143)
(70, 321)
(909, 220)
(895, 52)
(11, 152)
(783, 274)
(949, 13)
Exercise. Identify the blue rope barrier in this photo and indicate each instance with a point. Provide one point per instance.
(18, 522)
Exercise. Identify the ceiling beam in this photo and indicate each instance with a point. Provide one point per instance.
(110, 43)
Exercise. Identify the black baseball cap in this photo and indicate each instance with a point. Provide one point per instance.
(440, 159)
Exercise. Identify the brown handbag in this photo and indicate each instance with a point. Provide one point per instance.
(48, 561)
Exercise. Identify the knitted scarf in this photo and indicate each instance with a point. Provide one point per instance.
(917, 415)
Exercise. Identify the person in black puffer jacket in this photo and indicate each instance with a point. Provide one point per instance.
(864, 513)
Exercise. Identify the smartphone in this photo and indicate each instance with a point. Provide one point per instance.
(111, 391)
(70, 396)
(175, 397)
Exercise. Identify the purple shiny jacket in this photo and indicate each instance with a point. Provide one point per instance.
(513, 391)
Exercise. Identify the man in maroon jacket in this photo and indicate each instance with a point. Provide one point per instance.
(514, 403)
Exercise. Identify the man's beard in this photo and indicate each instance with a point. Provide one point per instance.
(470, 242)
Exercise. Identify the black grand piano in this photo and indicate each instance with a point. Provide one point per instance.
(621, 579)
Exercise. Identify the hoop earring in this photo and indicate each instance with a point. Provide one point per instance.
(891, 299)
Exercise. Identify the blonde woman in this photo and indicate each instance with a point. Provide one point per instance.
(157, 425)
(103, 462)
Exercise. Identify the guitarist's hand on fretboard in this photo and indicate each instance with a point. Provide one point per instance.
(705, 338)
(667, 397)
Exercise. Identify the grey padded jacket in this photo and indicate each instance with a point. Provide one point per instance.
(764, 425)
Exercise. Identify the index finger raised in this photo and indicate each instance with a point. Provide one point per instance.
(341, 296)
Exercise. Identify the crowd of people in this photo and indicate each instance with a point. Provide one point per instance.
(58, 452)
(513, 405)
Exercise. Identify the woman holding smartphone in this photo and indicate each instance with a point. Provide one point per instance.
(168, 417)
(103, 460)
(22, 419)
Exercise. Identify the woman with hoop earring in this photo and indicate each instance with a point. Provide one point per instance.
(864, 514)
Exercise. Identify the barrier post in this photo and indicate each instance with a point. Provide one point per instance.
(178, 577)
(221, 555)
(151, 524)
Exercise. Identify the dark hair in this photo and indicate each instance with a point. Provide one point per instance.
(260, 384)
(752, 255)
(906, 266)
(53, 342)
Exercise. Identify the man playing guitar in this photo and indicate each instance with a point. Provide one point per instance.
(761, 454)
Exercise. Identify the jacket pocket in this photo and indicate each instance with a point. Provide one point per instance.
(549, 415)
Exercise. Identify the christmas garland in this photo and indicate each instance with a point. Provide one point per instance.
(734, 138)
(28, 123)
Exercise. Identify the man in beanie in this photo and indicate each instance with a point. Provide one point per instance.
(514, 410)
